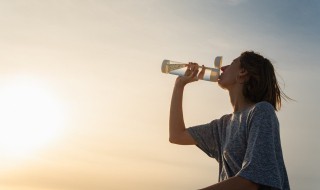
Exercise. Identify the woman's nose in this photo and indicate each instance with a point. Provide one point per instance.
(224, 68)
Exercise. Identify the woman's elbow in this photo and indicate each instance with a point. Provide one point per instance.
(173, 140)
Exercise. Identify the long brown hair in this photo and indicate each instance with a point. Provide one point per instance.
(261, 84)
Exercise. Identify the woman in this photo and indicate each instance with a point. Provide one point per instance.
(246, 143)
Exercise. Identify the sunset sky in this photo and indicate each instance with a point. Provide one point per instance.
(84, 105)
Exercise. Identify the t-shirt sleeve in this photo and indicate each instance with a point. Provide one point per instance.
(263, 163)
(207, 138)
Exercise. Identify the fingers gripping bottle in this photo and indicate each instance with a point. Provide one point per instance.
(177, 68)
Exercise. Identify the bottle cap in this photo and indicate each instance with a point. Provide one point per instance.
(218, 62)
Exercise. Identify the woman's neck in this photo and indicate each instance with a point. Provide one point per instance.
(238, 101)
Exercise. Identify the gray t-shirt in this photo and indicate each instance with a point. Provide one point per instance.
(246, 144)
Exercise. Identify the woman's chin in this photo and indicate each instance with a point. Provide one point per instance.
(221, 84)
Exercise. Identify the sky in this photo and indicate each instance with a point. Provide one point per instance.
(84, 104)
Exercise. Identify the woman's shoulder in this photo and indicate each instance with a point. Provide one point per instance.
(263, 114)
(262, 110)
(263, 106)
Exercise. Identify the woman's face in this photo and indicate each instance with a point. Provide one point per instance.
(229, 74)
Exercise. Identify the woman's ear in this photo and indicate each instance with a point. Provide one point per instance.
(243, 72)
(242, 76)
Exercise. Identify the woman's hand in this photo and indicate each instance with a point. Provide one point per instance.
(191, 74)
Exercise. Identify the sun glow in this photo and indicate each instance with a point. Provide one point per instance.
(30, 117)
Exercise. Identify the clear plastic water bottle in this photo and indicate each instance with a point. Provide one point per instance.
(177, 68)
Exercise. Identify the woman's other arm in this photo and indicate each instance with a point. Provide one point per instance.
(234, 183)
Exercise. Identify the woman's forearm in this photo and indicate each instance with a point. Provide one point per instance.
(176, 121)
